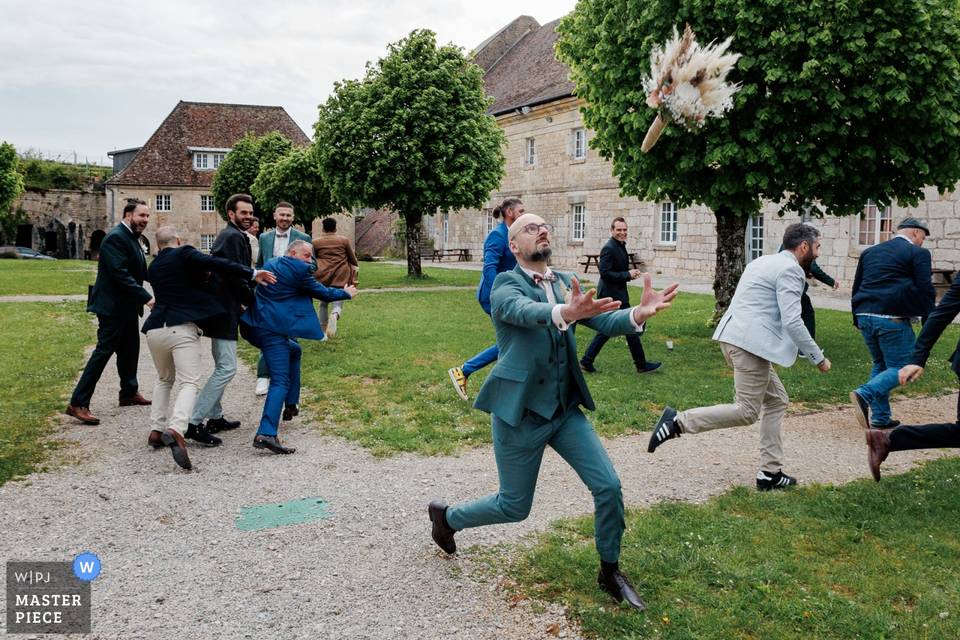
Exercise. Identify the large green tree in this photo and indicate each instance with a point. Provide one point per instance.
(413, 136)
(11, 186)
(295, 178)
(241, 166)
(841, 102)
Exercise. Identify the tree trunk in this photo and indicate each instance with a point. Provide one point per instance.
(731, 258)
(412, 223)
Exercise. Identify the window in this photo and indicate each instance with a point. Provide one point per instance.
(579, 144)
(668, 223)
(206, 242)
(206, 203)
(579, 218)
(446, 229)
(161, 202)
(217, 159)
(876, 225)
(754, 237)
(431, 227)
(200, 160)
(530, 157)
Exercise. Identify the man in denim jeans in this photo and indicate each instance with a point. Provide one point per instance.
(892, 287)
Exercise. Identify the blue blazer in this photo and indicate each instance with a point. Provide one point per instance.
(893, 278)
(285, 307)
(497, 258)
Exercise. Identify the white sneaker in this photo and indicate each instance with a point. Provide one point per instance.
(263, 385)
(332, 324)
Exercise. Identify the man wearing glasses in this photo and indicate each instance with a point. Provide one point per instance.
(534, 394)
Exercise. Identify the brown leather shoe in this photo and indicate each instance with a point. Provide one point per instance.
(82, 414)
(878, 443)
(178, 447)
(155, 439)
(442, 532)
(135, 400)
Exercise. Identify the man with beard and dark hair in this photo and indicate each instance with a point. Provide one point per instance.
(534, 393)
(761, 328)
(233, 293)
(117, 298)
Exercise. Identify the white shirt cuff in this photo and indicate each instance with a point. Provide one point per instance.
(557, 316)
(633, 321)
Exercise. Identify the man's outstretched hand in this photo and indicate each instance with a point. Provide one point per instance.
(652, 301)
(583, 305)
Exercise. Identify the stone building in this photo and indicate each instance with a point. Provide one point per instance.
(173, 171)
(64, 223)
(550, 166)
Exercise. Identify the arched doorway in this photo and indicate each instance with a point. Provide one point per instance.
(96, 238)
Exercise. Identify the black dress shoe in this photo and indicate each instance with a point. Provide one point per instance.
(861, 410)
(215, 425)
(618, 586)
(892, 424)
(272, 443)
(289, 413)
(442, 532)
(649, 366)
(199, 433)
(587, 366)
(177, 447)
(665, 429)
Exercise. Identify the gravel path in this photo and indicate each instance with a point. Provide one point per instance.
(173, 556)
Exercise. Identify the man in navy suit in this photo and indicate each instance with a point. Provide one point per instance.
(184, 307)
(497, 258)
(891, 288)
(281, 313)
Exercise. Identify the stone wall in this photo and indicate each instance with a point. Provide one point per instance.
(62, 222)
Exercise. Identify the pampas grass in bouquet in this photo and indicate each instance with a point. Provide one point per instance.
(688, 83)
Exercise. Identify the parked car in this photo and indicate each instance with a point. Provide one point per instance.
(27, 253)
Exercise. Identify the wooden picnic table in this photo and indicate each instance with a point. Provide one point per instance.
(594, 260)
(462, 255)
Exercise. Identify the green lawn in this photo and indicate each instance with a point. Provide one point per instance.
(42, 348)
(383, 380)
(46, 277)
(857, 561)
(379, 275)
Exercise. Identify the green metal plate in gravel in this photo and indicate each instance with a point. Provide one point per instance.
(269, 516)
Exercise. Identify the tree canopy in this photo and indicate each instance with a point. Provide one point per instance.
(239, 169)
(413, 136)
(11, 186)
(294, 178)
(841, 102)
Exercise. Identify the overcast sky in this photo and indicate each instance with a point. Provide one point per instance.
(93, 75)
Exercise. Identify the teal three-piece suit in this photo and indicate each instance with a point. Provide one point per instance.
(534, 394)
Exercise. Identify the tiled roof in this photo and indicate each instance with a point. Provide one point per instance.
(165, 160)
(528, 73)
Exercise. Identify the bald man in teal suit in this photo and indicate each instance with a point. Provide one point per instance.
(535, 393)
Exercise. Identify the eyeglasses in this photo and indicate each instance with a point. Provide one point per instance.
(534, 228)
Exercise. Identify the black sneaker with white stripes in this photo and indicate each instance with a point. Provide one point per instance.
(665, 429)
(778, 480)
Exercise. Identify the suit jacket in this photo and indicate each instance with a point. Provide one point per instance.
(285, 307)
(121, 270)
(941, 317)
(337, 264)
(614, 272)
(893, 278)
(537, 368)
(497, 258)
(179, 276)
(764, 314)
(266, 244)
(232, 292)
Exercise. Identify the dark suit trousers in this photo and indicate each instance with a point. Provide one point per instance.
(633, 343)
(807, 314)
(927, 436)
(116, 334)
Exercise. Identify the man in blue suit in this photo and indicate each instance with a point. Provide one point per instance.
(497, 258)
(534, 394)
(891, 288)
(280, 314)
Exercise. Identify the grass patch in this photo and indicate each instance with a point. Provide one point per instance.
(46, 277)
(379, 275)
(383, 380)
(42, 348)
(857, 561)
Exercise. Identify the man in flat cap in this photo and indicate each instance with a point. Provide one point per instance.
(892, 288)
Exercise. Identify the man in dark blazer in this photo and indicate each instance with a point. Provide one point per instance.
(117, 298)
(615, 273)
(185, 304)
(280, 314)
(891, 288)
(927, 436)
(233, 293)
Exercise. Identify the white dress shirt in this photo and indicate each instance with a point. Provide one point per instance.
(557, 314)
(281, 242)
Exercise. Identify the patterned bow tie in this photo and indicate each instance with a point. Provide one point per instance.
(549, 276)
(281, 235)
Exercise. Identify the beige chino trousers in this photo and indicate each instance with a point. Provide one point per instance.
(176, 355)
(758, 393)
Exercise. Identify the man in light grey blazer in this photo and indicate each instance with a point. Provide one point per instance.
(761, 328)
